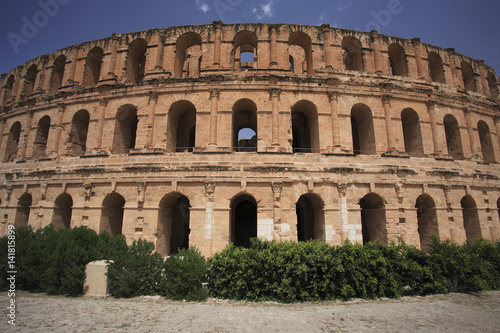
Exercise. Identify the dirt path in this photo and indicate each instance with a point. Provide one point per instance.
(439, 313)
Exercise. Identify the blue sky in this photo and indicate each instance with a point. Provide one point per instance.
(30, 28)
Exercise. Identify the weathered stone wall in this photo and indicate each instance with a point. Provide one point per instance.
(358, 136)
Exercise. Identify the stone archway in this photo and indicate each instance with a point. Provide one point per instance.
(243, 220)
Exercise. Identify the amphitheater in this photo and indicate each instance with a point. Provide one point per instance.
(204, 135)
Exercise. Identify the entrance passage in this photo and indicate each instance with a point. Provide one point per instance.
(310, 217)
(373, 218)
(112, 214)
(63, 208)
(243, 220)
(427, 220)
(173, 224)
(471, 218)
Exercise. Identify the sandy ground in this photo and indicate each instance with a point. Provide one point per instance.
(438, 313)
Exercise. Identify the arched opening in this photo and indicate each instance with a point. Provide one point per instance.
(244, 123)
(300, 48)
(373, 218)
(436, 68)
(363, 134)
(498, 208)
(63, 208)
(305, 133)
(93, 63)
(471, 218)
(188, 55)
(427, 220)
(468, 76)
(173, 224)
(57, 73)
(397, 60)
(9, 85)
(41, 137)
(290, 63)
(245, 49)
(77, 140)
(23, 210)
(453, 139)
(492, 85)
(29, 80)
(125, 129)
(136, 60)
(353, 54)
(12, 142)
(181, 130)
(411, 132)
(243, 220)
(112, 214)
(486, 143)
(310, 217)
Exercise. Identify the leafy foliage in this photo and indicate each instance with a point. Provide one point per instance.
(314, 271)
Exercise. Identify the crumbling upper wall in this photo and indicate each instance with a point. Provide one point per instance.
(284, 49)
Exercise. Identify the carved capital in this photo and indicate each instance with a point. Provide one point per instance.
(274, 92)
(342, 188)
(217, 24)
(400, 193)
(87, 190)
(214, 93)
(277, 188)
(333, 96)
(431, 104)
(153, 95)
(272, 27)
(61, 107)
(325, 28)
(496, 119)
(209, 188)
(103, 101)
(386, 98)
(8, 191)
(141, 192)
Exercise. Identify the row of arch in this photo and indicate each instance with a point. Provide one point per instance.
(181, 131)
(244, 54)
(174, 216)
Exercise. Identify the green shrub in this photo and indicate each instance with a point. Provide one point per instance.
(135, 271)
(314, 271)
(184, 276)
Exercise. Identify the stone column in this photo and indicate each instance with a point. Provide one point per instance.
(344, 231)
(217, 43)
(327, 47)
(72, 66)
(153, 101)
(497, 126)
(61, 108)
(275, 94)
(27, 134)
(452, 55)
(422, 69)
(214, 106)
(209, 215)
(380, 67)
(103, 103)
(273, 49)
(470, 133)
(333, 98)
(3, 121)
(159, 53)
(109, 59)
(386, 101)
(277, 187)
(482, 85)
(432, 118)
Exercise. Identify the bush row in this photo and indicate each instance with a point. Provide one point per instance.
(315, 271)
(54, 262)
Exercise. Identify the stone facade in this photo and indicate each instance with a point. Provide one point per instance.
(344, 135)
